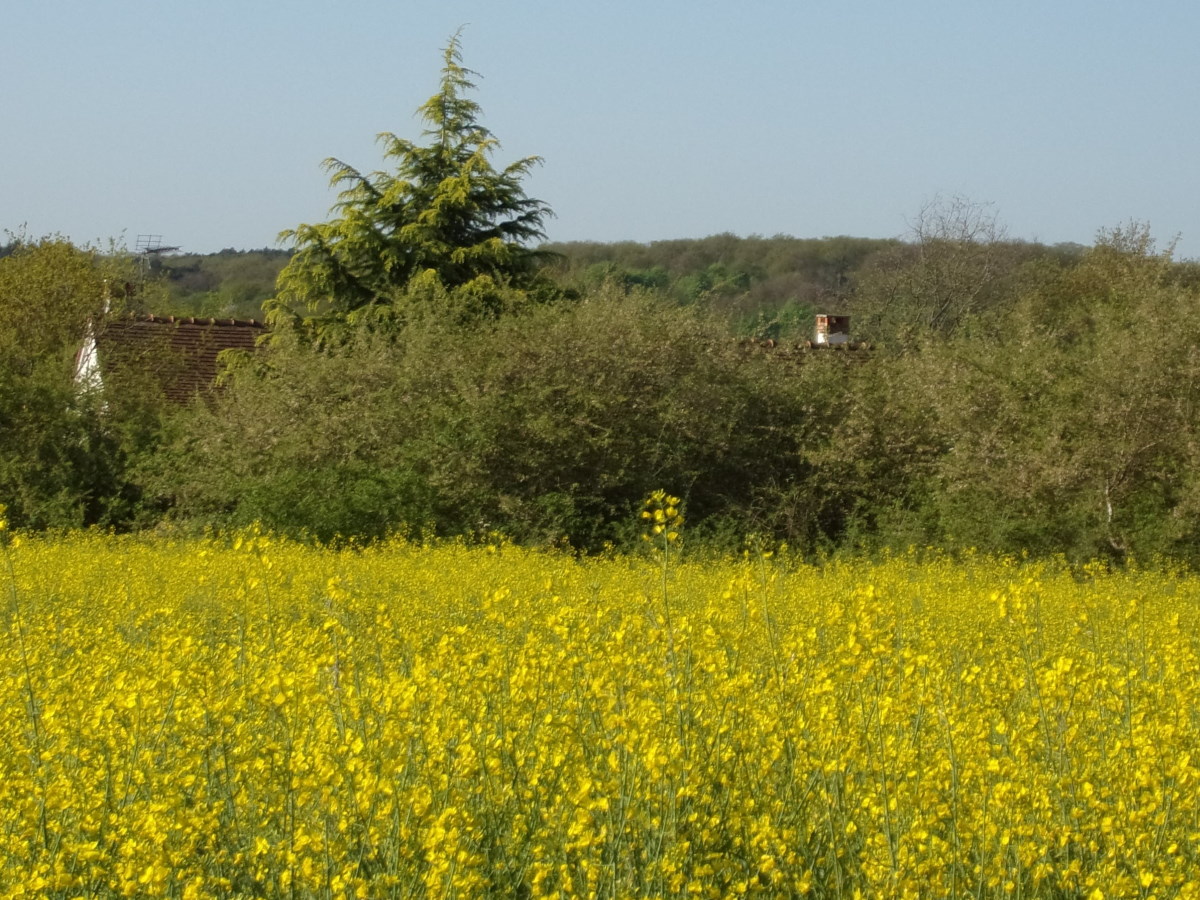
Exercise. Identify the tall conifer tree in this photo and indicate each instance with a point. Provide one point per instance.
(444, 219)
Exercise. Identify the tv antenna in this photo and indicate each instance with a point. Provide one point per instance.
(149, 246)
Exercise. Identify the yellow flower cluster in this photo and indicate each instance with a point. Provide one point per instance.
(250, 718)
(661, 512)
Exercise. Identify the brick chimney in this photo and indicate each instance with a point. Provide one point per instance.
(832, 329)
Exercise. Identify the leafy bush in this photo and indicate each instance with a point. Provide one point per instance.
(550, 424)
(65, 454)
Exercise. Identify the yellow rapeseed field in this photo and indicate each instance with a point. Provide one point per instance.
(254, 718)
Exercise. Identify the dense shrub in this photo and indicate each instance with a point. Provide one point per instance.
(65, 453)
(546, 425)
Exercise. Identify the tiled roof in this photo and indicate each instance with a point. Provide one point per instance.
(179, 353)
(859, 351)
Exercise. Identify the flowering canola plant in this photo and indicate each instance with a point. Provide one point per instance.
(254, 718)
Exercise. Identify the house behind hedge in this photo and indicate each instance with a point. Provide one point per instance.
(177, 355)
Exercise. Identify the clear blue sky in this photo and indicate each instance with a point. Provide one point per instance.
(207, 121)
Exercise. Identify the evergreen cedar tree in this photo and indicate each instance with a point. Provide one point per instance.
(445, 220)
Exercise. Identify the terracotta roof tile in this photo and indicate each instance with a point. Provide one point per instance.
(177, 352)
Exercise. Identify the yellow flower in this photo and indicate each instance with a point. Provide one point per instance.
(437, 702)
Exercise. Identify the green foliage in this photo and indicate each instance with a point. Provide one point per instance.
(64, 453)
(956, 269)
(229, 284)
(553, 423)
(767, 287)
(49, 291)
(445, 218)
(1059, 420)
(1075, 429)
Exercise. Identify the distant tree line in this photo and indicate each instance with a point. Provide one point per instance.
(229, 284)
(767, 287)
(433, 370)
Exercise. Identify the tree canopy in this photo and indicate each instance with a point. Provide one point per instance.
(65, 453)
(445, 220)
